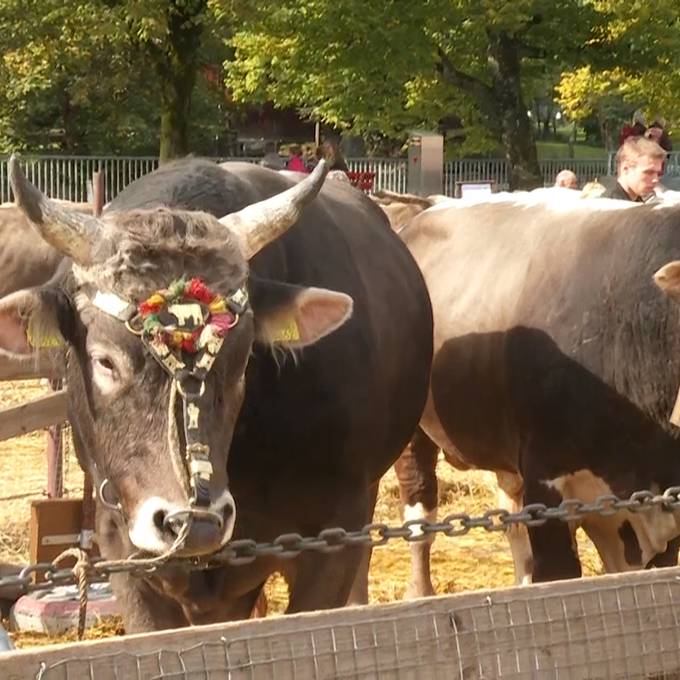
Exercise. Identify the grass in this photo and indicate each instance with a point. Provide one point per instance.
(560, 150)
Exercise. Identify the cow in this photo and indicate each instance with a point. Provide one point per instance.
(401, 208)
(556, 366)
(27, 261)
(279, 412)
(24, 262)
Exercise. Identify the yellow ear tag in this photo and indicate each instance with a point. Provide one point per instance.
(40, 337)
(288, 331)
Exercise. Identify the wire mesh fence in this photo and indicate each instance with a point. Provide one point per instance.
(613, 627)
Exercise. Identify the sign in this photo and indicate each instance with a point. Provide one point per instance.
(475, 189)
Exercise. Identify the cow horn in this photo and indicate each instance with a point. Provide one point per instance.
(71, 233)
(261, 223)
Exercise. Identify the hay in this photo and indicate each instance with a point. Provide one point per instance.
(455, 561)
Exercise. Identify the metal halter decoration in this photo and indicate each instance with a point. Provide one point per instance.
(184, 327)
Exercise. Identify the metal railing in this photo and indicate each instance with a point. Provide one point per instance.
(68, 177)
(287, 546)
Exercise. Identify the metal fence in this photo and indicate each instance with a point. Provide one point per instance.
(68, 177)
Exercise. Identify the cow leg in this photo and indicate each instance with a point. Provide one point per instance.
(552, 544)
(359, 592)
(615, 542)
(669, 558)
(416, 472)
(323, 581)
(510, 497)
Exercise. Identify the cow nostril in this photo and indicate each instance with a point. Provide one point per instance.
(227, 512)
(159, 519)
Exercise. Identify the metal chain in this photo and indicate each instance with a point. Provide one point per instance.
(287, 546)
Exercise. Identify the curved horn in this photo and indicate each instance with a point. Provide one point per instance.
(71, 233)
(261, 223)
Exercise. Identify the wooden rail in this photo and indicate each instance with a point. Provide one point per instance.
(44, 364)
(618, 626)
(33, 415)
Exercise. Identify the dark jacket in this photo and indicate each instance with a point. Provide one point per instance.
(617, 191)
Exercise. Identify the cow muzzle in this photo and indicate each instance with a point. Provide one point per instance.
(160, 527)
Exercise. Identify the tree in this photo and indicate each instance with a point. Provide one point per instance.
(109, 75)
(634, 64)
(169, 32)
(65, 75)
(393, 65)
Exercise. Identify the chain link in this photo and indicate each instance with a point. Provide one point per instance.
(288, 546)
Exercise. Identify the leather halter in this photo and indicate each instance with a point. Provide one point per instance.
(183, 328)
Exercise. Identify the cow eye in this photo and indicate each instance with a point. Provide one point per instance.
(104, 372)
(104, 364)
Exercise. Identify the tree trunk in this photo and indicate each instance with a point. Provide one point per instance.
(177, 65)
(516, 131)
(67, 115)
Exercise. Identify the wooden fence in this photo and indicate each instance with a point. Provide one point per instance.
(621, 626)
(39, 413)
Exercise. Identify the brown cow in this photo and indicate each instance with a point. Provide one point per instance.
(401, 208)
(556, 365)
(25, 259)
(243, 377)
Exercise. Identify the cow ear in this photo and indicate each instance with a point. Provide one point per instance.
(668, 279)
(29, 320)
(293, 316)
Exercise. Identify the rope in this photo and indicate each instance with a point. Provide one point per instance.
(148, 563)
(84, 564)
(173, 438)
(80, 572)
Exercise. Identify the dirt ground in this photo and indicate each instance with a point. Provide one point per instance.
(477, 560)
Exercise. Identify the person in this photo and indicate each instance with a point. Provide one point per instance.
(593, 189)
(657, 134)
(271, 158)
(333, 156)
(566, 178)
(639, 166)
(314, 158)
(637, 129)
(295, 162)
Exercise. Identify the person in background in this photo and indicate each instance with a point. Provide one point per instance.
(639, 167)
(593, 189)
(333, 156)
(567, 179)
(295, 162)
(636, 129)
(313, 159)
(271, 158)
(658, 134)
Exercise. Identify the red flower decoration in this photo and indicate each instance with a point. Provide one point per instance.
(146, 308)
(188, 345)
(197, 290)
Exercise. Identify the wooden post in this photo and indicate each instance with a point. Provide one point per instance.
(98, 193)
(55, 455)
(87, 525)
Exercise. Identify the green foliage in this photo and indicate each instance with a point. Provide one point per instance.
(55, 93)
(378, 66)
(635, 65)
(87, 76)
(99, 76)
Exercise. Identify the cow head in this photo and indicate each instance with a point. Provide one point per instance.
(157, 317)
(668, 280)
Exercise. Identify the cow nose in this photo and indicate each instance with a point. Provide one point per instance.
(197, 532)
